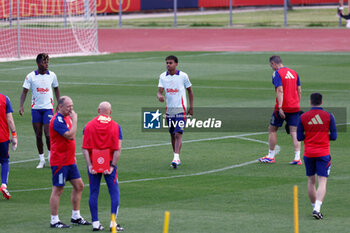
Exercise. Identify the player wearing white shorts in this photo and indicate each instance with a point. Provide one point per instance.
(41, 82)
(175, 83)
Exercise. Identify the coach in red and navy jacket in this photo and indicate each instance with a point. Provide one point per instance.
(316, 127)
(104, 134)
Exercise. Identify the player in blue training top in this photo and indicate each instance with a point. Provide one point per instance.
(6, 122)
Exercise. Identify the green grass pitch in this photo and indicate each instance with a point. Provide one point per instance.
(208, 193)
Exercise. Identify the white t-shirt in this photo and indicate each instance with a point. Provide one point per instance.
(175, 91)
(41, 84)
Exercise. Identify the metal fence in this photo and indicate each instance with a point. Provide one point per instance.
(234, 13)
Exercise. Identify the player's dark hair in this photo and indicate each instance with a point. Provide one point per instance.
(316, 99)
(172, 57)
(42, 57)
(276, 59)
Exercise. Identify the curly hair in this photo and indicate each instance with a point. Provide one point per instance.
(42, 57)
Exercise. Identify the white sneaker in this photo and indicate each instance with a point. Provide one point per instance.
(175, 163)
(41, 164)
(348, 23)
(118, 227)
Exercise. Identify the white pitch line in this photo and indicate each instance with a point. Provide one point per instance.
(177, 176)
(151, 58)
(162, 144)
(277, 147)
(241, 136)
(193, 174)
(155, 178)
(23, 161)
(110, 61)
(150, 85)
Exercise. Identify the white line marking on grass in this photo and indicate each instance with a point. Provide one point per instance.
(203, 87)
(23, 161)
(241, 136)
(158, 57)
(343, 124)
(277, 147)
(177, 176)
(153, 179)
(146, 85)
(193, 174)
(163, 144)
(109, 61)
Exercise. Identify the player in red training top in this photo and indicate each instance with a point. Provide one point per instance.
(63, 128)
(6, 122)
(103, 134)
(316, 127)
(288, 94)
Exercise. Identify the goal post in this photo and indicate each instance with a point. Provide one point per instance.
(56, 27)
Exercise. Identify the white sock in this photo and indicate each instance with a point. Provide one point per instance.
(54, 219)
(96, 224)
(111, 225)
(271, 154)
(348, 23)
(176, 156)
(41, 156)
(76, 214)
(297, 155)
(3, 184)
(318, 205)
(48, 156)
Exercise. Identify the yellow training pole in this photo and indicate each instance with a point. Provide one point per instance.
(166, 221)
(114, 224)
(296, 211)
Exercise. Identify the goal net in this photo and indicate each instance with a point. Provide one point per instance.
(56, 27)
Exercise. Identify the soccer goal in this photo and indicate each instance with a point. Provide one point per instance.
(56, 27)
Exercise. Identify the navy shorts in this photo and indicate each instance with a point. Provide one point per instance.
(63, 174)
(318, 165)
(4, 152)
(42, 115)
(176, 123)
(291, 119)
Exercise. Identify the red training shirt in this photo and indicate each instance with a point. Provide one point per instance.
(5, 107)
(102, 133)
(289, 80)
(62, 149)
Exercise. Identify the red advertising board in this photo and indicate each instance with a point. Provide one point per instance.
(112, 6)
(30, 8)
